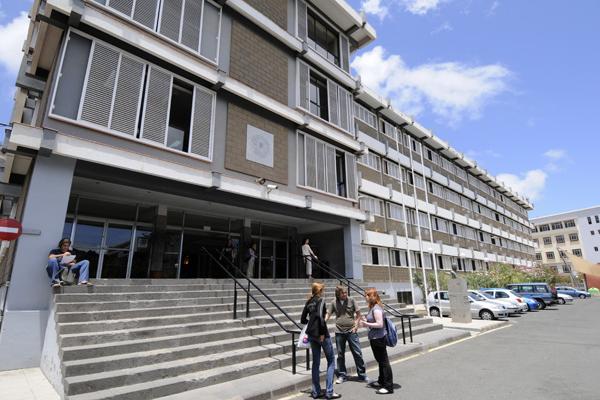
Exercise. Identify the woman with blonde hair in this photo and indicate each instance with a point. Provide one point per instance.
(313, 314)
(376, 324)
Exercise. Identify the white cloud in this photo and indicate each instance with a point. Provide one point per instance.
(493, 8)
(451, 90)
(374, 7)
(529, 184)
(420, 7)
(556, 154)
(445, 27)
(13, 34)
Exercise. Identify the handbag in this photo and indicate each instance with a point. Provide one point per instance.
(67, 276)
(303, 342)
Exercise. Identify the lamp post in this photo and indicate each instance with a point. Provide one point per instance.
(435, 271)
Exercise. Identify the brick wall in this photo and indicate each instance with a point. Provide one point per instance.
(275, 10)
(258, 63)
(382, 274)
(235, 153)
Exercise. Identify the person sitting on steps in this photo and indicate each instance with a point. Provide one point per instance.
(56, 264)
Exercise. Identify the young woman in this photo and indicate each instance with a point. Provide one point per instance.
(308, 255)
(376, 324)
(314, 315)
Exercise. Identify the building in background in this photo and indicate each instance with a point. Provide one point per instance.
(574, 232)
(146, 131)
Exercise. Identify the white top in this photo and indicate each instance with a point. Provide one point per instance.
(307, 251)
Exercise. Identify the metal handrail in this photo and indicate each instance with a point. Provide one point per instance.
(250, 295)
(356, 288)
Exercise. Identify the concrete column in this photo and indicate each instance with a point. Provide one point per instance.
(158, 242)
(352, 250)
(28, 299)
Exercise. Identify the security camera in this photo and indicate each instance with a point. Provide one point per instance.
(271, 186)
(260, 181)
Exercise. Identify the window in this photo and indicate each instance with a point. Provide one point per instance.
(550, 255)
(570, 223)
(573, 237)
(407, 176)
(538, 256)
(195, 24)
(544, 228)
(318, 96)
(326, 168)
(323, 39)
(399, 258)
(597, 219)
(576, 252)
(589, 220)
(371, 160)
(125, 95)
(374, 206)
(559, 239)
(435, 189)
(419, 181)
(387, 129)
(592, 233)
(391, 169)
(557, 225)
(423, 220)
(411, 216)
(595, 248)
(395, 212)
(440, 225)
(365, 115)
(453, 197)
(536, 241)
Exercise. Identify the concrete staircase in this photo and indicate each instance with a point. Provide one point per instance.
(143, 339)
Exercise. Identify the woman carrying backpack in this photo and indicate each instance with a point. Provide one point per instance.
(376, 324)
(318, 335)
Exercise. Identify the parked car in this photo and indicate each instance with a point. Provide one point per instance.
(506, 295)
(531, 304)
(573, 292)
(512, 306)
(564, 298)
(539, 291)
(439, 305)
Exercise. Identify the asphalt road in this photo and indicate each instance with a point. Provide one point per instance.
(552, 354)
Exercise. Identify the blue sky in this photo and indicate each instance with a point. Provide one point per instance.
(513, 84)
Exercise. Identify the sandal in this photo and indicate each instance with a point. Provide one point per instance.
(84, 284)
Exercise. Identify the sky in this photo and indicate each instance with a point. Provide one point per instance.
(512, 84)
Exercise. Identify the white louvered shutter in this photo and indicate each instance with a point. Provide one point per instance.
(331, 174)
(345, 53)
(332, 94)
(156, 112)
(302, 15)
(170, 18)
(304, 85)
(202, 123)
(145, 12)
(343, 99)
(127, 97)
(321, 182)
(351, 176)
(311, 162)
(122, 6)
(192, 17)
(350, 109)
(100, 85)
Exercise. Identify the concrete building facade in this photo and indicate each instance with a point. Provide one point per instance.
(146, 130)
(574, 232)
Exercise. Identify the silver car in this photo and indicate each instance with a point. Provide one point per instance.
(439, 305)
(512, 306)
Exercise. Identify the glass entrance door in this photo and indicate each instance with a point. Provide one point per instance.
(115, 251)
(273, 259)
(87, 243)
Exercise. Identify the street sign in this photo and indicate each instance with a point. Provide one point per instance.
(10, 229)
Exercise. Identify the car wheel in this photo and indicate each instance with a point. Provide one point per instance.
(582, 296)
(528, 307)
(486, 314)
(541, 303)
(561, 301)
(434, 312)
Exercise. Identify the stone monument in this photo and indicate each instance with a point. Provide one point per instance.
(460, 306)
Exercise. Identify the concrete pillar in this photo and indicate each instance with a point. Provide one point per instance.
(28, 299)
(352, 250)
(158, 242)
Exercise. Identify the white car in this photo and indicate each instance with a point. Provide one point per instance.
(564, 298)
(439, 305)
(507, 296)
(511, 306)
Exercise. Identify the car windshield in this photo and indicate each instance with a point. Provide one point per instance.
(488, 295)
(477, 296)
(472, 297)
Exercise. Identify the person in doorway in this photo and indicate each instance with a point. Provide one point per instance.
(314, 314)
(250, 260)
(376, 324)
(347, 319)
(308, 255)
(62, 257)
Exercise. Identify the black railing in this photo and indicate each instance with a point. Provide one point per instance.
(361, 291)
(251, 284)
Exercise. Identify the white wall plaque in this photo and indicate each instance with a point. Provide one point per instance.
(259, 146)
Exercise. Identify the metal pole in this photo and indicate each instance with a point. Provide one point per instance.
(234, 300)
(293, 355)
(248, 301)
(307, 360)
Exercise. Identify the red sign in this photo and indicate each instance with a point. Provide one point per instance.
(10, 229)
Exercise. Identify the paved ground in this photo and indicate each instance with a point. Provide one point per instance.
(551, 354)
(25, 384)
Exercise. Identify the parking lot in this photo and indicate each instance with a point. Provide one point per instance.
(551, 354)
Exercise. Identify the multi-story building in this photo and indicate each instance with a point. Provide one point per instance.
(147, 130)
(574, 232)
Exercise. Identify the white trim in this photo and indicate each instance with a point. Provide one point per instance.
(86, 77)
(112, 101)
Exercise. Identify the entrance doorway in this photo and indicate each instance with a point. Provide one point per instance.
(197, 264)
(273, 256)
